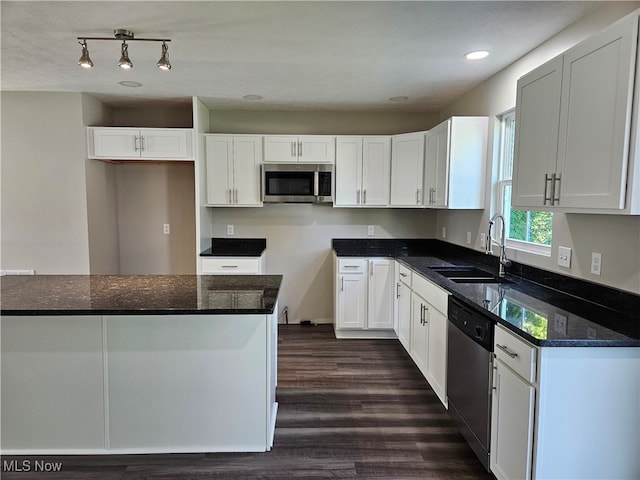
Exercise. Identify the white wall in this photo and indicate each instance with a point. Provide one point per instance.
(299, 244)
(44, 202)
(617, 238)
(102, 213)
(148, 196)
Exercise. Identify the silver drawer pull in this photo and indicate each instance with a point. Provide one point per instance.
(351, 266)
(403, 274)
(230, 266)
(507, 351)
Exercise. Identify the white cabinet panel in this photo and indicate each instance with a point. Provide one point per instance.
(380, 294)
(419, 333)
(52, 383)
(362, 171)
(232, 265)
(352, 301)
(310, 148)
(404, 314)
(140, 144)
(407, 164)
(233, 170)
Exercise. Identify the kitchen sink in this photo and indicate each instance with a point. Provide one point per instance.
(467, 274)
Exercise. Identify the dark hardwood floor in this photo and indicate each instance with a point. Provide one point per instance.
(347, 409)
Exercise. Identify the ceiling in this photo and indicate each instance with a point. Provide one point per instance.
(318, 55)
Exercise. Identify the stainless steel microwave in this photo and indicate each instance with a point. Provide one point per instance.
(297, 183)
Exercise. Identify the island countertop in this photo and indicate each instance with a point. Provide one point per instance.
(139, 294)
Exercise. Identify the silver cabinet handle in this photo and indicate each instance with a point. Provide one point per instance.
(418, 196)
(432, 196)
(358, 195)
(364, 197)
(506, 350)
(555, 200)
(398, 290)
(235, 196)
(426, 312)
(547, 178)
(402, 274)
(293, 149)
(342, 284)
(142, 146)
(299, 149)
(136, 147)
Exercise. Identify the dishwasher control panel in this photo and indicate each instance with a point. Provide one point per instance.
(475, 324)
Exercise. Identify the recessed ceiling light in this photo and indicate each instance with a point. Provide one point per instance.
(477, 55)
(129, 83)
(252, 97)
(400, 98)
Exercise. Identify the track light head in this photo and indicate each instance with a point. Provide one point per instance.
(85, 60)
(163, 63)
(124, 62)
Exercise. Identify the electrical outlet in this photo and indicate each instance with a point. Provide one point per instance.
(229, 229)
(444, 232)
(483, 240)
(468, 238)
(370, 230)
(564, 257)
(166, 228)
(560, 324)
(596, 263)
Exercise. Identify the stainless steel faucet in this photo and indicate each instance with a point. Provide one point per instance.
(504, 261)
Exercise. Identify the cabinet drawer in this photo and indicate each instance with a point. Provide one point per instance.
(406, 275)
(355, 265)
(232, 265)
(516, 353)
(431, 293)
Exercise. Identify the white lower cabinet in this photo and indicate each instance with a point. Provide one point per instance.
(512, 425)
(428, 341)
(564, 412)
(364, 297)
(232, 265)
(403, 306)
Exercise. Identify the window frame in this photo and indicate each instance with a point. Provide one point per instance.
(503, 183)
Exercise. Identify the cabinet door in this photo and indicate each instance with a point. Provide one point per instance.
(511, 425)
(419, 333)
(436, 162)
(407, 163)
(219, 154)
(317, 149)
(164, 144)
(376, 159)
(404, 315)
(352, 301)
(595, 118)
(247, 157)
(116, 143)
(437, 353)
(380, 294)
(348, 171)
(280, 149)
(536, 138)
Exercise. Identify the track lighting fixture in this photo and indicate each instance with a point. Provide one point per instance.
(125, 36)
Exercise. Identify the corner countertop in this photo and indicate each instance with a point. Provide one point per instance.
(544, 316)
(235, 247)
(139, 294)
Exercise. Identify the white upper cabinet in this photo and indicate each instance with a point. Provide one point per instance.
(140, 144)
(362, 171)
(233, 170)
(311, 149)
(587, 162)
(407, 164)
(455, 163)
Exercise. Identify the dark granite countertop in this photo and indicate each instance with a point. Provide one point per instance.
(139, 294)
(235, 247)
(544, 316)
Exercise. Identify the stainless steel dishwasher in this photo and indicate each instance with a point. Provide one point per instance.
(469, 370)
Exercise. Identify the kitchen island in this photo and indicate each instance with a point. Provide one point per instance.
(96, 364)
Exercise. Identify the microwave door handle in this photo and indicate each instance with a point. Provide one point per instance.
(316, 183)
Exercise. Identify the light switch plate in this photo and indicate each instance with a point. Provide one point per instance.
(229, 229)
(596, 263)
(564, 257)
(370, 230)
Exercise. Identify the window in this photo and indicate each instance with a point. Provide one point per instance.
(526, 230)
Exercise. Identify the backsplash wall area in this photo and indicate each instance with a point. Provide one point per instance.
(299, 244)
